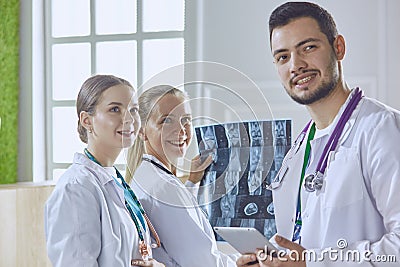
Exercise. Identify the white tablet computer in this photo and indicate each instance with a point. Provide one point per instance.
(245, 240)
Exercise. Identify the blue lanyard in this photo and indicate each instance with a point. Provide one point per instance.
(131, 202)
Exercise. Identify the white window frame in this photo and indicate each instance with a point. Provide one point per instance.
(41, 151)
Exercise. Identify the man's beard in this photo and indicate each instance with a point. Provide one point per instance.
(322, 91)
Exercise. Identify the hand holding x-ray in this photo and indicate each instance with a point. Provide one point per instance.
(197, 167)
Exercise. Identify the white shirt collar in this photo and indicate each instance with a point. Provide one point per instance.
(328, 130)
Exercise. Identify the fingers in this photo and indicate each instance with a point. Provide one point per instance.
(147, 263)
(264, 259)
(138, 262)
(244, 260)
(196, 162)
(285, 243)
(198, 166)
(206, 162)
(196, 157)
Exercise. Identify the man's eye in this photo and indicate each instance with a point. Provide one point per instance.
(114, 109)
(281, 58)
(309, 47)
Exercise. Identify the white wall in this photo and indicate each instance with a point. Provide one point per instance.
(393, 54)
(235, 33)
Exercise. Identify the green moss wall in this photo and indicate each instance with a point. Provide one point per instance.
(9, 46)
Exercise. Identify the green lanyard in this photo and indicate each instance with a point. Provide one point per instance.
(299, 222)
(139, 211)
(307, 153)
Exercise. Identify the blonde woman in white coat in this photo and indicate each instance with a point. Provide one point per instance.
(92, 218)
(186, 234)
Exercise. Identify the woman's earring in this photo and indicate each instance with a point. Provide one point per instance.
(90, 130)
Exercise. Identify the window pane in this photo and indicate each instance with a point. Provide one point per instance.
(70, 18)
(114, 17)
(65, 134)
(163, 15)
(71, 66)
(161, 54)
(117, 58)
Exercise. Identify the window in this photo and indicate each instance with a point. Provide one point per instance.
(127, 38)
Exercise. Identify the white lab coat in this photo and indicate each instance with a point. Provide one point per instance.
(359, 201)
(86, 221)
(186, 235)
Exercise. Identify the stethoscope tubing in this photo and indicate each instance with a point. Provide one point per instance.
(337, 132)
(158, 166)
(329, 147)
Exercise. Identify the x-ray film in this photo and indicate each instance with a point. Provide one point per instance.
(246, 156)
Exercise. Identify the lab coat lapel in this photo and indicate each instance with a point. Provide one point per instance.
(116, 192)
(350, 123)
(103, 177)
(285, 197)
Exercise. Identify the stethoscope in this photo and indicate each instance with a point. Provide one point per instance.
(314, 181)
(161, 167)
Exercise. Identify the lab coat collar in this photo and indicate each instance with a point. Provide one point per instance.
(102, 175)
(170, 178)
(151, 157)
(285, 211)
(164, 187)
(349, 124)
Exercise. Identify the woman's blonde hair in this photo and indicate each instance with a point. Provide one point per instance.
(147, 103)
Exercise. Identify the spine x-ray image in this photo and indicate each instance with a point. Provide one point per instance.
(246, 157)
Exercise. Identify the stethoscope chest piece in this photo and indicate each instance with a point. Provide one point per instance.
(313, 182)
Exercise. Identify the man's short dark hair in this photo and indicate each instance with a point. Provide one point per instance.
(287, 12)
